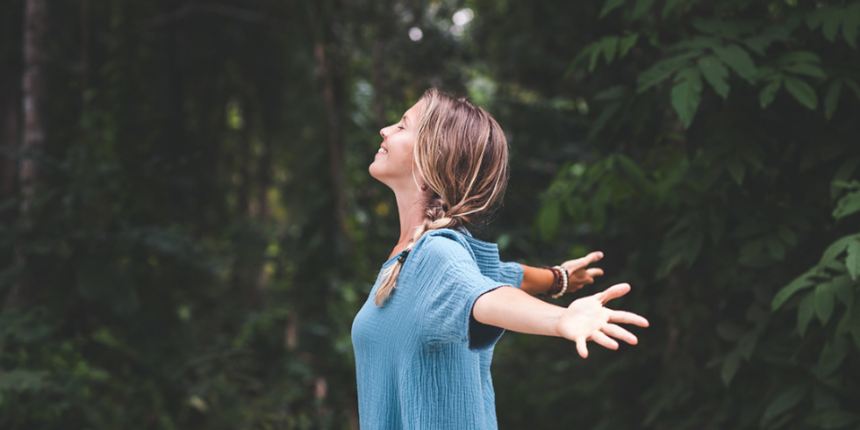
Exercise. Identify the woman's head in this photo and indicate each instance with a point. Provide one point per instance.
(458, 150)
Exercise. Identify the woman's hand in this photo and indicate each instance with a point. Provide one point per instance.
(579, 274)
(587, 319)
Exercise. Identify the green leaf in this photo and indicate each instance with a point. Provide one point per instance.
(642, 6)
(813, 20)
(549, 220)
(746, 346)
(805, 312)
(798, 57)
(609, 45)
(715, 73)
(739, 60)
(854, 87)
(831, 357)
(847, 205)
(783, 402)
(824, 302)
(767, 94)
(831, 99)
(671, 5)
(807, 69)
(843, 173)
(794, 286)
(627, 43)
(609, 6)
(736, 170)
(852, 260)
(775, 248)
(843, 287)
(595, 56)
(602, 120)
(831, 21)
(836, 248)
(801, 91)
(730, 367)
(850, 24)
(661, 71)
(686, 94)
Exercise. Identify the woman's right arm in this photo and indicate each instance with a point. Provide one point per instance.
(585, 319)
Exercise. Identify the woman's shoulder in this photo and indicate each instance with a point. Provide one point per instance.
(442, 244)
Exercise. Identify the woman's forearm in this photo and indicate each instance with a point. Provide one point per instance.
(512, 309)
(536, 280)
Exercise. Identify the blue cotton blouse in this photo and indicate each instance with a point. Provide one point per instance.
(422, 361)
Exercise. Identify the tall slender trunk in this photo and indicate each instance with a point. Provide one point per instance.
(335, 151)
(34, 94)
(34, 106)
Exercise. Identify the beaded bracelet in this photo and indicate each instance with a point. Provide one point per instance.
(557, 281)
(565, 280)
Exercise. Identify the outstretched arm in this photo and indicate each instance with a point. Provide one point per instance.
(585, 319)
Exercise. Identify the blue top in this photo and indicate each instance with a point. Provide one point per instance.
(422, 361)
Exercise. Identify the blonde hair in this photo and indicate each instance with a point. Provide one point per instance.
(462, 155)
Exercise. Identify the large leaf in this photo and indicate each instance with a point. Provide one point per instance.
(807, 69)
(738, 59)
(716, 73)
(831, 21)
(852, 260)
(609, 6)
(847, 205)
(661, 71)
(799, 283)
(642, 6)
(609, 45)
(843, 287)
(783, 402)
(850, 24)
(831, 357)
(686, 94)
(836, 248)
(801, 91)
(831, 99)
(626, 43)
(767, 94)
(824, 298)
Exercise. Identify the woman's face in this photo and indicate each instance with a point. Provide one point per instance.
(393, 164)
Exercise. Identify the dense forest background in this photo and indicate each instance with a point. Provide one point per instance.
(187, 225)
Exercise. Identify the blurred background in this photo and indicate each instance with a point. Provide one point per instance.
(187, 225)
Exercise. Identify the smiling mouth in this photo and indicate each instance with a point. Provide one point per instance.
(382, 151)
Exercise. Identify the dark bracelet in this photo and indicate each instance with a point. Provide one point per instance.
(556, 282)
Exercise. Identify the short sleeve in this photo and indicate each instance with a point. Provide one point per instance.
(511, 274)
(455, 283)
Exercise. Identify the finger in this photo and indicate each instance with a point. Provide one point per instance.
(581, 348)
(579, 263)
(620, 333)
(603, 340)
(613, 292)
(591, 273)
(625, 317)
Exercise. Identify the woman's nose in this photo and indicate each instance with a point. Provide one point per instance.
(382, 132)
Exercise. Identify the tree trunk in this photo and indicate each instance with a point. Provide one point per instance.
(34, 96)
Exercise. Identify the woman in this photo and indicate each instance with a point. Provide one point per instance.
(423, 340)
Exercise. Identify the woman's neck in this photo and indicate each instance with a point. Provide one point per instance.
(410, 208)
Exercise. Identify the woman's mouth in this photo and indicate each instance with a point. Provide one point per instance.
(382, 151)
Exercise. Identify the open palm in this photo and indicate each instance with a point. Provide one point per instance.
(587, 319)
